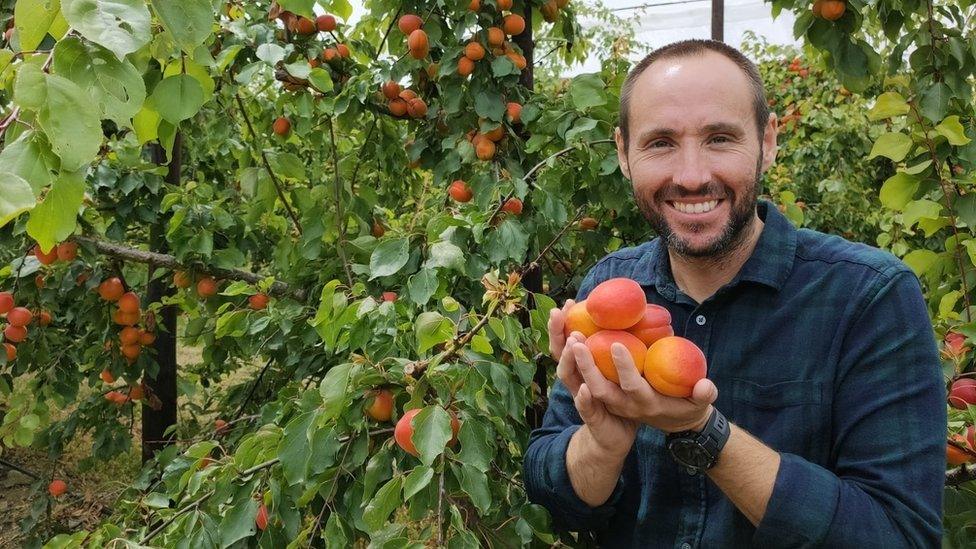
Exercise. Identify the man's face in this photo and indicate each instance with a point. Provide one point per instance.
(694, 157)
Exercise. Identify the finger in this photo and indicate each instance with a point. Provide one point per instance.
(704, 393)
(600, 387)
(557, 339)
(566, 370)
(631, 380)
(590, 409)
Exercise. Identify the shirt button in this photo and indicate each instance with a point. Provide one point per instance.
(700, 319)
(686, 545)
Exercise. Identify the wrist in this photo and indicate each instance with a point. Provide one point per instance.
(602, 451)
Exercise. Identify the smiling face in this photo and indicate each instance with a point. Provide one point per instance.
(694, 156)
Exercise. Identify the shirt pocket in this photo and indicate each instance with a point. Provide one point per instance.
(786, 415)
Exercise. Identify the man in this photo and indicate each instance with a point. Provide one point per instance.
(822, 420)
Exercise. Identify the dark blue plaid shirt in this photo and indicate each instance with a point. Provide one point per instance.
(821, 348)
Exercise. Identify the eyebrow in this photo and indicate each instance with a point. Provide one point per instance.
(717, 127)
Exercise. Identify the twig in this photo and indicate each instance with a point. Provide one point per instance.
(254, 386)
(267, 165)
(440, 506)
(19, 469)
(170, 520)
(340, 245)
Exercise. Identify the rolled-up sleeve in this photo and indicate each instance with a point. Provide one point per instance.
(884, 487)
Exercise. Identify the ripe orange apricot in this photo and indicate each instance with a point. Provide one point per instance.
(403, 433)
(674, 365)
(39, 281)
(513, 24)
(129, 302)
(616, 304)
(417, 108)
(504, 4)
(474, 5)
(129, 336)
(305, 26)
(15, 334)
(146, 338)
(517, 58)
(391, 89)
(578, 320)
(832, 10)
(381, 407)
(513, 206)
(389, 296)
(496, 37)
(181, 279)
(261, 518)
(460, 191)
(11, 352)
(419, 53)
(485, 149)
(599, 345)
(6, 302)
(131, 352)
(343, 50)
(281, 126)
(407, 95)
(409, 23)
(955, 456)
(588, 223)
(220, 426)
(550, 11)
(123, 318)
(57, 488)
(655, 324)
(206, 287)
(325, 23)
(45, 258)
(378, 230)
(962, 393)
(107, 376)
(136, 392)
(44, 318)
(465, 66)
(116, 397)
(513, 111)
(20, 316)
(417, 40)
(258, 302)
(398, 107)
(496, 134)
(330, 54)
(67, 251)
(474, 51)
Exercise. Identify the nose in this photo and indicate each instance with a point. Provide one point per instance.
(692, 170)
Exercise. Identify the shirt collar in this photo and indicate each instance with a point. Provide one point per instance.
(770, 263)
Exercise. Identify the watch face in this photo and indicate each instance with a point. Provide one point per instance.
(689, 453)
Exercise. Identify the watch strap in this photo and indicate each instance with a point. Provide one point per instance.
(711, 439)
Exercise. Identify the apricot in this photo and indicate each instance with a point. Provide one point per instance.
(513, 24)
(129, 302)
(832, 10)
(6, 302)
(146, 338)
(419, 53)
(131, 352)
(460, 191)
(599, 345)
(220, 426)
(282, 126)
(962, 393)
(465, 66)
(409, 23)
(513, 206)
(588, 223)
(261, 517)
(258, 302)
(403, 433)
(474, 51)
(391, 90)
(44, 318)
(485, 149)
(57, 488)
(67, 251)
(329, 54)
(955, 456)
(39, 281)
(389, 296)
(381, 407)
(496, 134)
(129, 336)
(496, 37)
(136, 392)
(181, 279)
(504, 5)
(517, 58)
(616, 304)
(107, 376)
(579, 320)
(206, 287)
(325, 23)
(655, 324)
(398, 107)
(407, 95)
(417, 40)
(377, 231)
(116, 397)
(111, 289)
(20, 316)
(305, 26)
(417, 108)
(343, 50)
(673, 365)
(15, 334)
(45, 258)
(550, 11)
(11, 352)
(123, 318)
(474, 5)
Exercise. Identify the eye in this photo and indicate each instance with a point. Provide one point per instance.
(722, 138)
(657, 144)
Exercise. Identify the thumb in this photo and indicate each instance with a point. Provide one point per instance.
(586, 405)
(704, 393)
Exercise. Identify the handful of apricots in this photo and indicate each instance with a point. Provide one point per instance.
(616, 311)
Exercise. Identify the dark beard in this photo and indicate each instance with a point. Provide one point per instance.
(742, 212)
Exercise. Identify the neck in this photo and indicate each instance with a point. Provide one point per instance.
(700, 277)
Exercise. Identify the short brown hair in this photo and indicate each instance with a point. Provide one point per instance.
(686, 48)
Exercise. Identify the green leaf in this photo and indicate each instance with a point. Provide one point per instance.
(898, 190)
(475, 484)
(122, 26)
(333, 390)
(587, 90)
(189, 21)
(293, 449)
(388, 258)
(232, 324)
(30, 157)
(965, 207)
(301, 7)
(177, 97)
(75, 138)
(420, 287)
(33, 19)
(948, 303)
(30, 87)
(115, 85)
(477, 444)
(953, 131)
(382, 505)
(509, 240)
(378, 469)
(54, 219)
(146, 124)
(935, 101)
(920, 260)
(432, 328)
(321, 79)
(887, 105)
(340, 8)
(238, 522)
(287, 165)
(432, 431)
(447, 255)
(417, 480)
(270, 53)
(920, 209)
(893, 145)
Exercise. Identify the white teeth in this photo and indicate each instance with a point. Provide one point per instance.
(700, 207)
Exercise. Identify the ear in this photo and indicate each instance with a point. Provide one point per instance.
(769, 141)
(621, 153)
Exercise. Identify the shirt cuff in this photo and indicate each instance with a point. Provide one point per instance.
(568, 507)
(801, 507)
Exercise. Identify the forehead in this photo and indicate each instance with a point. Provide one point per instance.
(691, 92)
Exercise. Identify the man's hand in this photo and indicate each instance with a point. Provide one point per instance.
(612, 433)
(635, 400)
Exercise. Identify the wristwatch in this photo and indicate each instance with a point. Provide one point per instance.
(698, 451)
